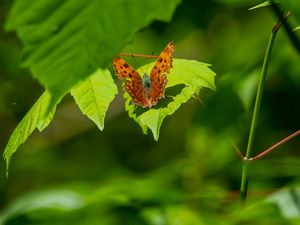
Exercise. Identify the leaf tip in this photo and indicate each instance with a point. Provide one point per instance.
(155, 131)
(7, 159)
(100, 126)
(266, 3)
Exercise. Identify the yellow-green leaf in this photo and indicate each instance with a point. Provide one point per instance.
(185, 80)
(94, 94)
(39, 116)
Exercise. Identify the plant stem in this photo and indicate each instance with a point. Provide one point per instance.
(244, 179)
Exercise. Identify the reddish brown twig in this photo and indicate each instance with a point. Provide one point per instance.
(273, 147)
(138, 55)
(276, 145)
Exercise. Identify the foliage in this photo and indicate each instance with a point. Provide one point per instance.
(64, 42)
(37, 117)
(73, 174)
(94, 94)
(191, 74)
(69, 46)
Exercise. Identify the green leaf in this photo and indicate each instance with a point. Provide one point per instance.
(65, 41)
(39, 116)
(69, 200)
(185, 80)
(246, 88)
(264, 4)
(94, 94)
(264, 212)
(296, 28)
(287, 201)
(175, 214)
(62, 200)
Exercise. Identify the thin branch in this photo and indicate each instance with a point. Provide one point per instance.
(273, 147)
(138, 55)
(292, 36)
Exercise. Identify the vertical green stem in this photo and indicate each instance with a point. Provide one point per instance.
(244, 180)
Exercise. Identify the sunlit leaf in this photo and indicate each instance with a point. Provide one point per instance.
(287, 201)
(185, 80)
(39, 116)
(94, 94)
(281, 207)
(264, 4)
(58, 199)
(264, 212)
(183, 215)
(65, 41)
(297, 28)
(172, 215)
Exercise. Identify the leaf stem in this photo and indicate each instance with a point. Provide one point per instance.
(244, 179)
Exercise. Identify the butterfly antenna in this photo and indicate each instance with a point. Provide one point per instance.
(146, 72)
(148, 63)
(143, 71)
(135, 62)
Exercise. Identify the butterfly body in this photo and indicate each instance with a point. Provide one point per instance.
(147, 90)
(146, 82)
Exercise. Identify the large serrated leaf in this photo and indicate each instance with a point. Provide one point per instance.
(94, 94)
(39, 116)
(190, 74)
(65, 41)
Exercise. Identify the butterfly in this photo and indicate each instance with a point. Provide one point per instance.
(147, 90)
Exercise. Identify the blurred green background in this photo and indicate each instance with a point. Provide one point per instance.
(74, 174)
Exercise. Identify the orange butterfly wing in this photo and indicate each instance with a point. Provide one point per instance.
(133, 81)
(158, 75)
